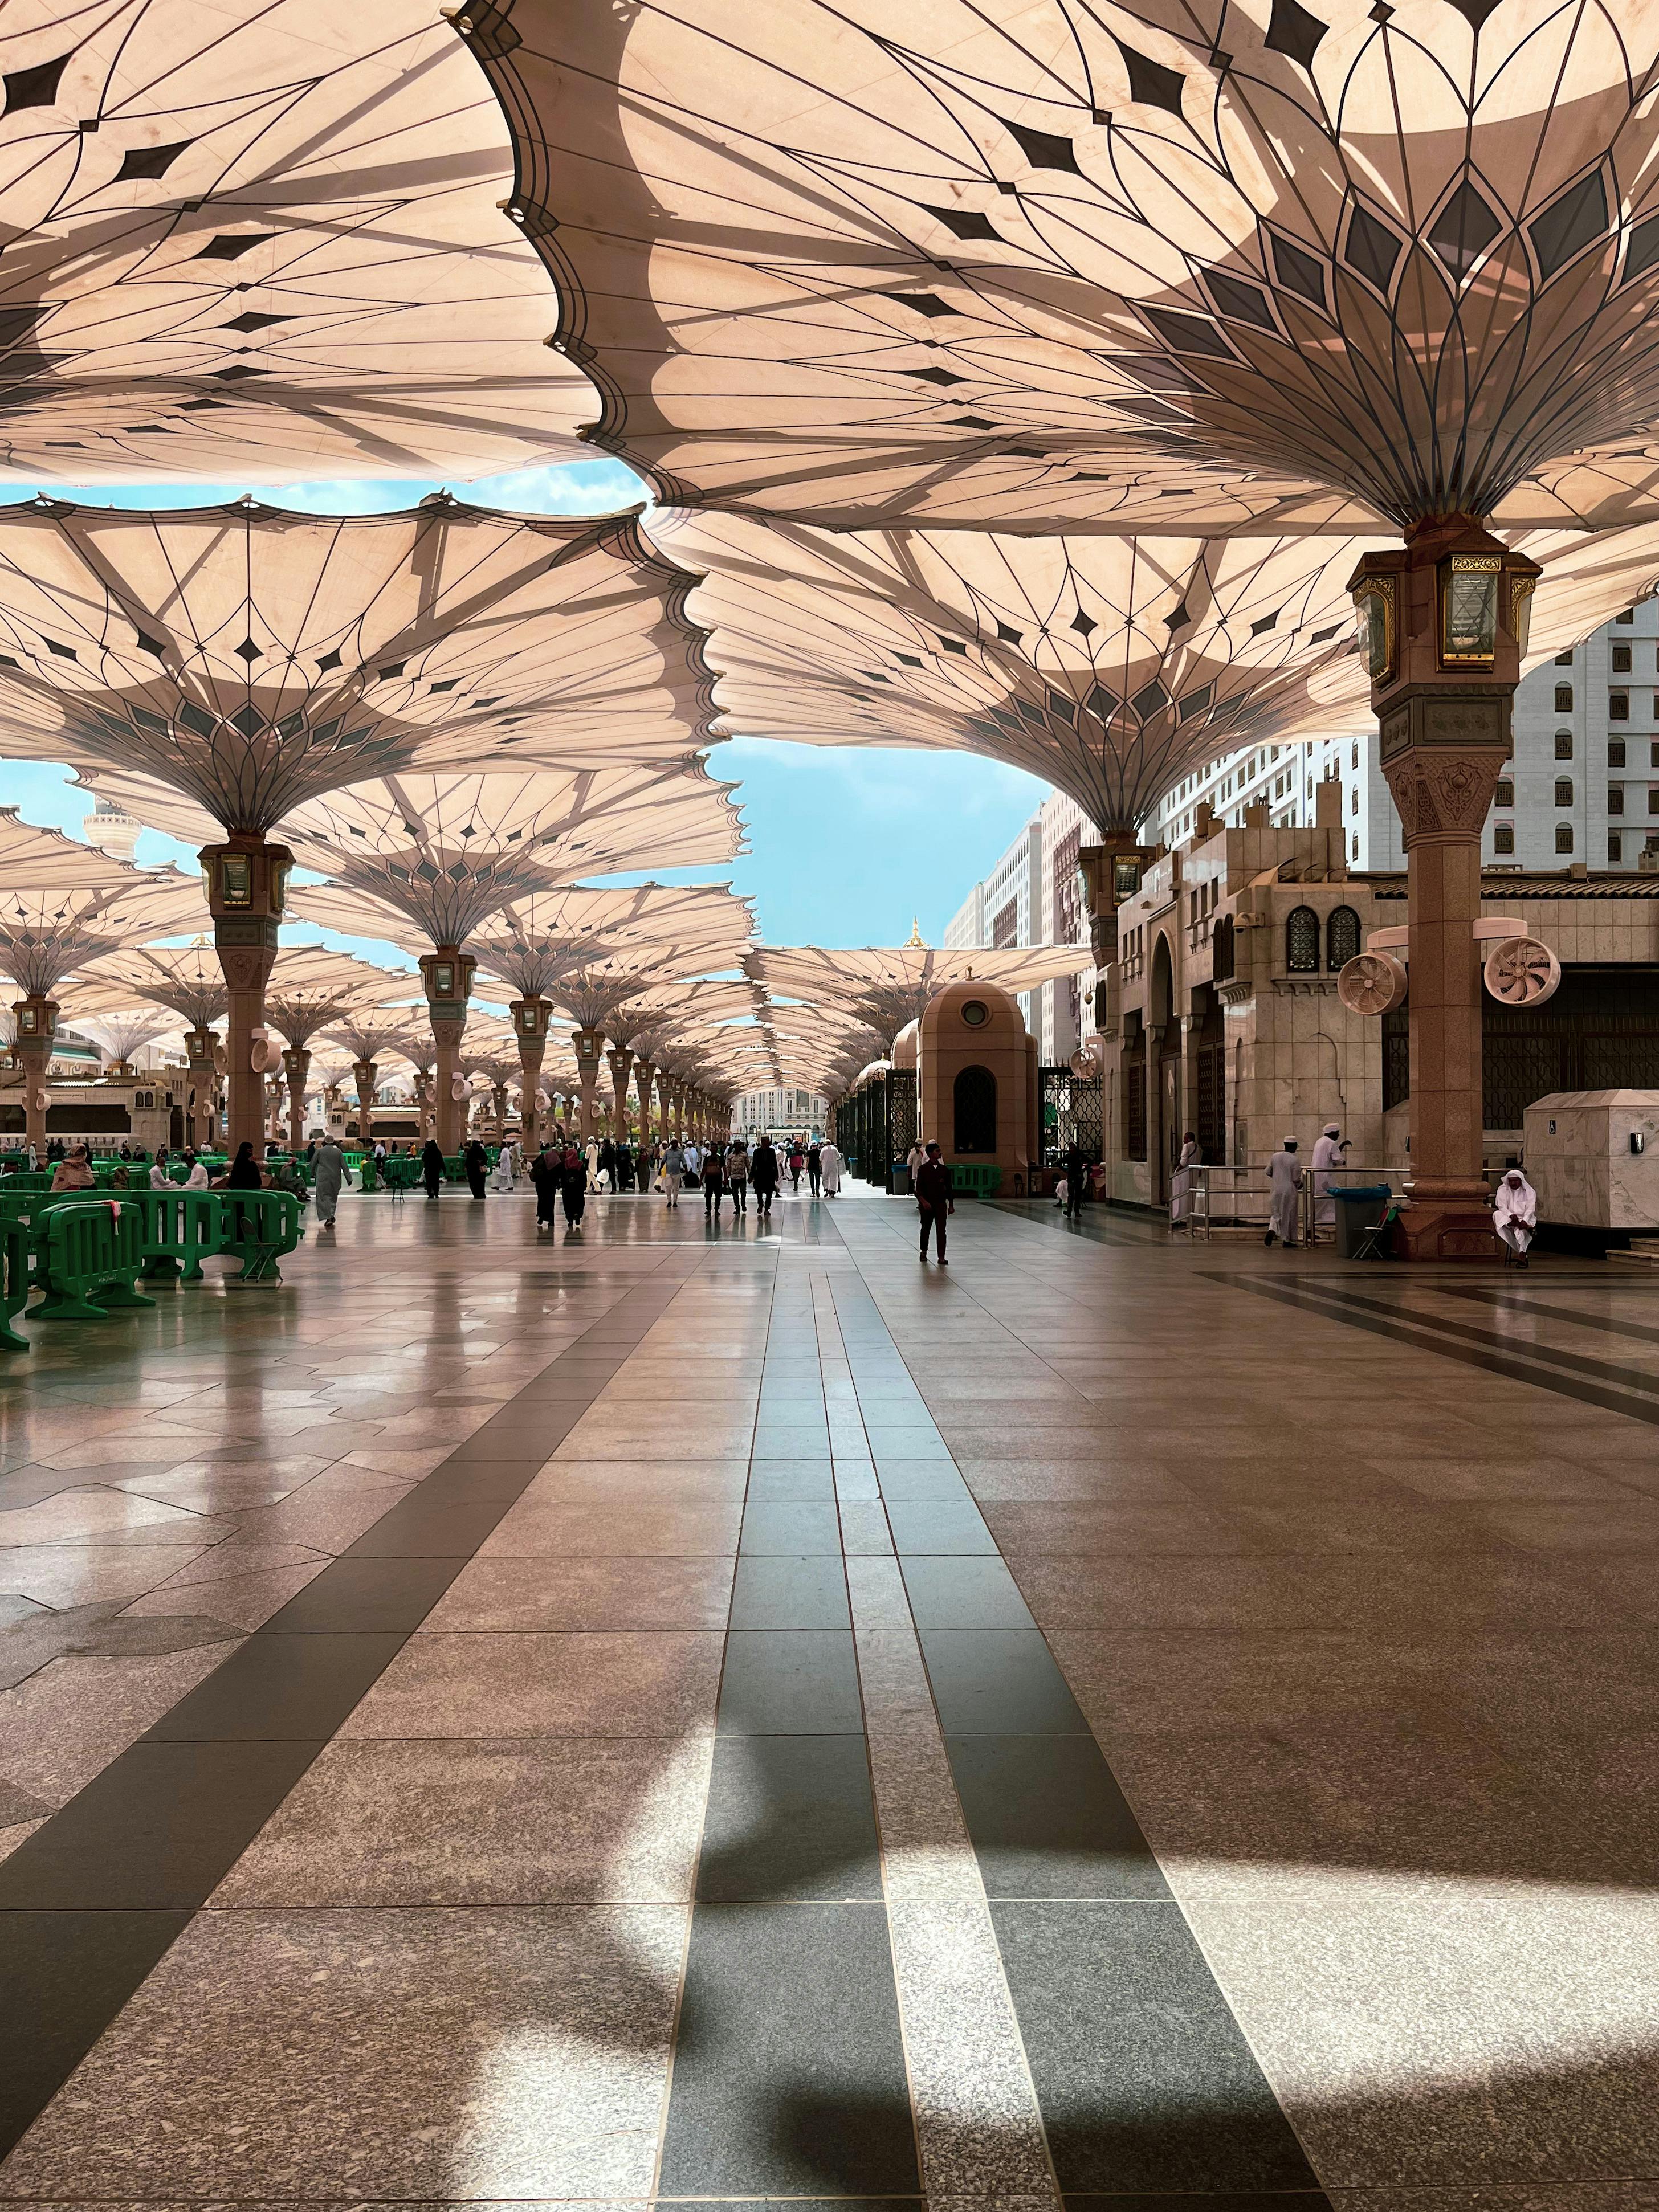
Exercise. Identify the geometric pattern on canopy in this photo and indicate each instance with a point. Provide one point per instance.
(119, 1035)
(311, 986)
(1107, 666)
(889, 986)
(443, 851)
(47, 932)
(537, 939)
(261, 240)
(1038, 265)
(186, 979)
(251, 660)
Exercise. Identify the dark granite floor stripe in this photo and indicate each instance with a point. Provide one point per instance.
(99, 1891)
(1143, 2079)
(1424, 1336)
(788, 2075)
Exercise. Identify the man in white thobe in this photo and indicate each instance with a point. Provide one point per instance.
(1514, 1214)
(830, 1168)
(1327, 1154)
(1180, 1183)
(1284, 1183)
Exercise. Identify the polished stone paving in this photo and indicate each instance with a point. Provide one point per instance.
(655, 1713)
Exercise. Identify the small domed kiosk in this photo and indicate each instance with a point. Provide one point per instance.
(977, 1070)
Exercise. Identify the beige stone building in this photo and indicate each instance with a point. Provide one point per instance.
(1223, 1015)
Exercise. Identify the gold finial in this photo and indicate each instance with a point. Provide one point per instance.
(915, 942)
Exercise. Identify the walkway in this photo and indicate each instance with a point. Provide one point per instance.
(650, 1714)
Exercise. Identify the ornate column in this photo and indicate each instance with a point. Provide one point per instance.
(643, 1072)
(665, 1103)
(1110, 873)
(36, 1020)
(424, 1107)
(530, 1021)
(446, 979)
(247, 882)
(587, 1043)
(199, 1050)
(296, 1066)
(1443, 626)
(366, 1074)
(622, 1064)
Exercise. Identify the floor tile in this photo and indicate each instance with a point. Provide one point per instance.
(531, 1683)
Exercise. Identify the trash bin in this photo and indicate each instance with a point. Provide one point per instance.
(898, 1180)
(1358, 1209)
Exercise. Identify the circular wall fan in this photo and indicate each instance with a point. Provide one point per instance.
(1522, 971)
(1372, 983)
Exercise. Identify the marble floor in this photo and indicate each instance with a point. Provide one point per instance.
(658, 1714)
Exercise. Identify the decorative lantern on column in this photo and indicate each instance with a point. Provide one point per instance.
(446, 979)
(531, 1019)
(245, 881)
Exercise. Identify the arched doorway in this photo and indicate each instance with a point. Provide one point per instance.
(974, 1101)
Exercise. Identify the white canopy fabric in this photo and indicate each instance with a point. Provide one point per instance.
(251, 660)
(63, 905)
(1109, 666)
(312, 988)
(261, 240)
(185, 979)
(1040, 266)
(886, 987)
(544, 936)
(441, 853)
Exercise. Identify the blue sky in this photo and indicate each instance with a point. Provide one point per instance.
(848, 845)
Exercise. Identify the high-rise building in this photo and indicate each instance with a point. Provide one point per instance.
(1581, 791)
(1032, 898)
(781, 1114)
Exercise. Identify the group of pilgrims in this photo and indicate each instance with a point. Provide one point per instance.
(564, 1172)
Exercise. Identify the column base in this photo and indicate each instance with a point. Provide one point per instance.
(1443, 1229)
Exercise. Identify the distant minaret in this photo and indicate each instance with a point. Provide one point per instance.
(915, 942)
(112, 829)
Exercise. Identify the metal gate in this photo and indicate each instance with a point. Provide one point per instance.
(901, 1117)
(1070, 1106)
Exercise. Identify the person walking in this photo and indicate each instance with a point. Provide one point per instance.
(934, 1201)
(546, 1173)
(572, 1186)
(1077, 1180)
(432, 1167)
(622, 1166)
(815, 1170)
(763, 1175)
(797, 1162)
(714, 1184)
(477, 1167)
(605, 1167)
(1283, 1187)
(507, 1164)
(737, 1176)
(830, 1167)
(673, 1171)
(327, 1171)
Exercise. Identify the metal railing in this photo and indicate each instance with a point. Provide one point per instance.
(1233, 1198)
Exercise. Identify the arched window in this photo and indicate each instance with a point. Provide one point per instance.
(1341, 938)
(1221, 950)
(1564, 836)
(1302, 941)
(1563, 698)
(1564, 791)
(975, 1099)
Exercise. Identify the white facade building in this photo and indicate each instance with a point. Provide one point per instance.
(781, 1114)
(1031, 897)
(1581, 789)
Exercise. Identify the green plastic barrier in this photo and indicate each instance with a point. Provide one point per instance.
(88, 1254)
(975, 1182)
(259, 1226)
(32, 1180)
(182, 1228)
(16, 1280)
(402, 1170)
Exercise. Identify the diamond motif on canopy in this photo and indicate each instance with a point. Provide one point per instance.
(450, 634)
(536, 940)
(186, 979)
(64, 904)
(262, 241)
(441, 853)
(1044, 267)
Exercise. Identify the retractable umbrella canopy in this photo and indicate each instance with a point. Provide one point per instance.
(1033, 264)
(119, 1035)
(186, 979)
(441, 853)
(264, 240)
(887, 987)
(542, 936)
(251, 659)
(50, 927)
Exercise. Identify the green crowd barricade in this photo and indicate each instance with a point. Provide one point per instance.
(259, 1226)
(182, 1228)
(367, 1179)
(975, 1181)
(401, 1171)
(16, 1280)
(88, 1254)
